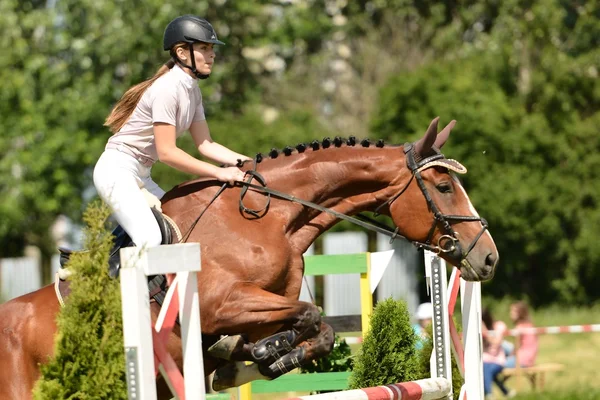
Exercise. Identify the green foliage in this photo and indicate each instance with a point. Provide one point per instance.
(526, 96)
(338, 360)
(388, 354)
(520, 77)
(89, 361)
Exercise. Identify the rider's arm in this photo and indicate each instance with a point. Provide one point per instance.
(210, 149)
(170, 154)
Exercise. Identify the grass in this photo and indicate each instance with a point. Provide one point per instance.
(579, 353)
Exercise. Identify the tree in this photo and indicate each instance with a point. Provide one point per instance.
(388, 354)
(527, 140)
(89, 362)
(64, 67)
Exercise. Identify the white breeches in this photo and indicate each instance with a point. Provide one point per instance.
(119, 179)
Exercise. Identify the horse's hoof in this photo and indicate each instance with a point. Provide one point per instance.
(224, 377)
(236, 374)
(226, 346)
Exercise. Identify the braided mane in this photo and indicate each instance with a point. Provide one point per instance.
(316, 145)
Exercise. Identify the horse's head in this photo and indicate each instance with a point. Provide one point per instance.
(433, 209)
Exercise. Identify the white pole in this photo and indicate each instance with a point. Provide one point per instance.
(470, 298)
(137, 328)
(440, 362)
(191, 337)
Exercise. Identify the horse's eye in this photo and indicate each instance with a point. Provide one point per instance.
(444, 187)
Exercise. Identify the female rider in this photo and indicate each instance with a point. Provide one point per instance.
(146, 122)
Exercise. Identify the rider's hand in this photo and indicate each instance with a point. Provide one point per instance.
(230, 175)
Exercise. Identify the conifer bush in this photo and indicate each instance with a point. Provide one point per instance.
(388, 354)
(89, 359)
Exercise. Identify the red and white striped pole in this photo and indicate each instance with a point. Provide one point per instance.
(424, 389)
(549, 330)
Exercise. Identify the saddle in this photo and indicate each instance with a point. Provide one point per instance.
(157, 284)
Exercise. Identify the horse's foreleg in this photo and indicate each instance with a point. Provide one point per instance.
(309, 350)
(320, 345)
(238, 373)
(257, 313)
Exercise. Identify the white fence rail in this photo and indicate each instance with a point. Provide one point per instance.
(19, 276)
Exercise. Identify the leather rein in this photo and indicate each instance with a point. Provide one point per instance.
(447, 243)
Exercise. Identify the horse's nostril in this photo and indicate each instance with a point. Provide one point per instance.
(491, 260)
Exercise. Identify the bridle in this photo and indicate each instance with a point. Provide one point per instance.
(447, 243)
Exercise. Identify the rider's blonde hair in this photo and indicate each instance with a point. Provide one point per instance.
(124, 108)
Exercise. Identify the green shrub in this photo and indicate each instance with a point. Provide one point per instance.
(89, 359)
(388, 354)
(338, 360)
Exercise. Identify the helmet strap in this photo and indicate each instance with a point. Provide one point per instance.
(192, 68)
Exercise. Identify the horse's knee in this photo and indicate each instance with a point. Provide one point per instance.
(323, 343)
(308, 323)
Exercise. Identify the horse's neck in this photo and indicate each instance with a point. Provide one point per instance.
(347, 180)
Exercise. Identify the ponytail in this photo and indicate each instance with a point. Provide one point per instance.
(124, 108)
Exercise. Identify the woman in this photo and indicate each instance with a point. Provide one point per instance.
(146, 122)
(527, 341)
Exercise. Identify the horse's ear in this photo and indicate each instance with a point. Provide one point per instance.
(443, 135)
(423, 145)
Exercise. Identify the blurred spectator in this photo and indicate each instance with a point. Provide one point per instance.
(527, 343)
(494, 355)
(424, 316)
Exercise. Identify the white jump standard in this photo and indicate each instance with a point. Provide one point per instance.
(136, 265)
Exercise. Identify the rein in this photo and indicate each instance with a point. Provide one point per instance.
(371, 224)
(447, 243)
(272, 192)
(185, 237)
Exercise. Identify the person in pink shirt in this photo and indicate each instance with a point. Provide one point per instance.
(527, 342)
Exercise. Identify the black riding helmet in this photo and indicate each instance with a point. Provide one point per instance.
(189, 29)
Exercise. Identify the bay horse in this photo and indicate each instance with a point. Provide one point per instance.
(252, 240)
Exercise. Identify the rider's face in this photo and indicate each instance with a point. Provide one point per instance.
(204, 56)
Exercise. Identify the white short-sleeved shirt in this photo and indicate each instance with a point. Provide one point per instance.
(175, 99)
